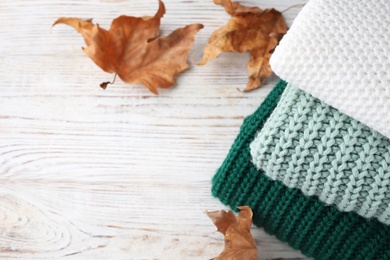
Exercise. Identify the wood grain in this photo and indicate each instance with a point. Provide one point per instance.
(120, 173)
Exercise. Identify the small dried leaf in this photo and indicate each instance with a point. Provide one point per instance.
(249, 29)
(133, 49)
(239, 243)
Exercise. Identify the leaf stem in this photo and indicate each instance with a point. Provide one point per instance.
(104, 84)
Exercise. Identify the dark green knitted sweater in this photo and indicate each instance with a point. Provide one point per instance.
(307, 224)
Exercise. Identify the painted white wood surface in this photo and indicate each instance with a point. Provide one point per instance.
(121, 173)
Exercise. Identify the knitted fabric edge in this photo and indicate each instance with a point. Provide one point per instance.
(312, 146)
(304, 222)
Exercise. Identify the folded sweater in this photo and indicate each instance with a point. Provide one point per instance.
(306, 223)
(309, 145)
(339, 51)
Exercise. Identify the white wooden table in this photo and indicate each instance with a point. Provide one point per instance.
(120, 173)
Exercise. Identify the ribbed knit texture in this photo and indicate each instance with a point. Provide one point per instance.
(309, 145)
(339, 51)
(319, 231)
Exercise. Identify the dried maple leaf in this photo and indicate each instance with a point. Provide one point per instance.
(133, 50)
(239, 243)
(249, 29)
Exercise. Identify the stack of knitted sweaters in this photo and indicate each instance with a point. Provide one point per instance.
(313, 162)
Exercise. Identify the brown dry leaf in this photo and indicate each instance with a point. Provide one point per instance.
(249, 29)
(239, 243)
(133, 49)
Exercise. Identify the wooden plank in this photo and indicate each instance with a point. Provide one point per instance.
(121, 173)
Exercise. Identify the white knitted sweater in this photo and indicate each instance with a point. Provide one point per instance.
(339, 51)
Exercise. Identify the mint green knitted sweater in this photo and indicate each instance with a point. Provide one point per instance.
(307, 224)
(309, 145)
